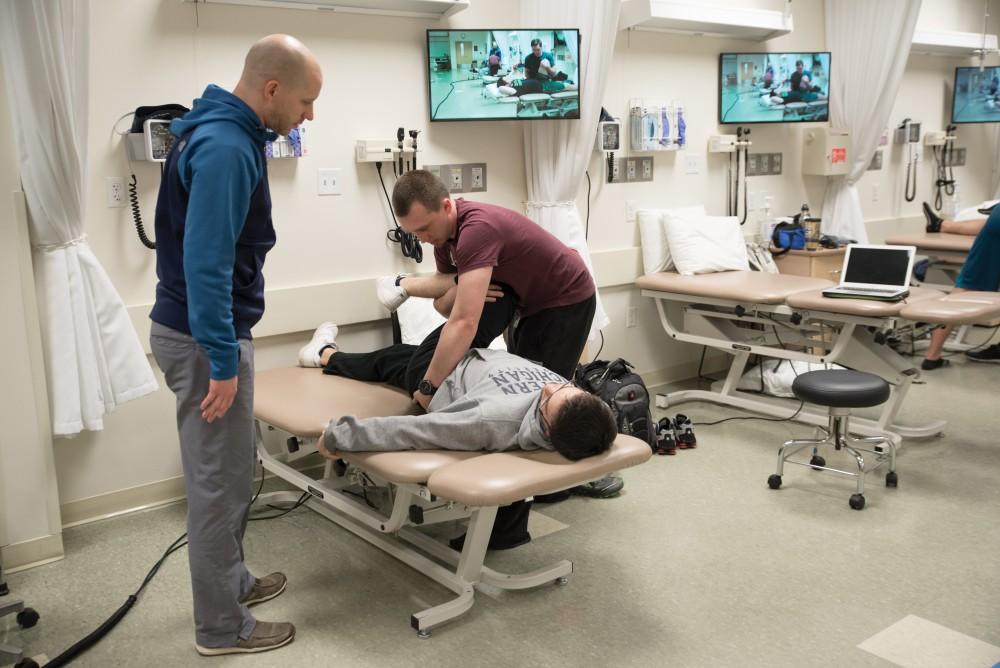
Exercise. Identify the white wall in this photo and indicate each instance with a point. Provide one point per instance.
(374, 82)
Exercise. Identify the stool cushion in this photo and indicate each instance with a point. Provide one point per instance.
(841, 388)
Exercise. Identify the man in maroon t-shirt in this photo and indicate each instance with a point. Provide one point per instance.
(477, 246)
(492, 263)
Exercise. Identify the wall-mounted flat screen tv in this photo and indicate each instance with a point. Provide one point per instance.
(977, 95)
(482, 75)
(774, 87)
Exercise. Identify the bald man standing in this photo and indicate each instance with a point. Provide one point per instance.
(213, 229)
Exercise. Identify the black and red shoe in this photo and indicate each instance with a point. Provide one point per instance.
(684, 430)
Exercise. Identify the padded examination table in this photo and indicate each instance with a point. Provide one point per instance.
(428, 486)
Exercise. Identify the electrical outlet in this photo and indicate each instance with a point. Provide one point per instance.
(765, 163)
(455, 183)
(115, 191)
(630, 208)
(630, 168)
(690, 164)
(328, 181)
(477, 178)
(875, 188)
(631, 316)
(646, 169)
(956, 158)
(876, 162)
(616, 173)
(776, 164)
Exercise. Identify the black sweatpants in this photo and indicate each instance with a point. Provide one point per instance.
(553, 338)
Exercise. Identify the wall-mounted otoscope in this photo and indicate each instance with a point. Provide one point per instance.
(413, 141)
(908, 133)
(742, 153)
(400, 135)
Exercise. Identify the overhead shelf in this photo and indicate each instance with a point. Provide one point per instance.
(950, 43)
(691, 17)
(420, 9)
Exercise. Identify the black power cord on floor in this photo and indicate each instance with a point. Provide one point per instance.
(95, 636)
(754, 417)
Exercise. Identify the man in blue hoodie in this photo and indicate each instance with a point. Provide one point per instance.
(213, 229)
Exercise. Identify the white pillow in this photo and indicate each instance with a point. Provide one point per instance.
(418, 318)
(706, 244)
(655, 253)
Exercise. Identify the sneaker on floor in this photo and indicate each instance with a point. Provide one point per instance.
(605, 488)
(930, 365)
(933, 220)
(266, 588)
(265, 636)
(389, 292)
(991, 354)
(325, 335)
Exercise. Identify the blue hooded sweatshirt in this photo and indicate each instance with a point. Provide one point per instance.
(213, 227)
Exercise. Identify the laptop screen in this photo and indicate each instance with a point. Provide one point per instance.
(880, 266)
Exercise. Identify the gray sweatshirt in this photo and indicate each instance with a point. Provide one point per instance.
(489, 402)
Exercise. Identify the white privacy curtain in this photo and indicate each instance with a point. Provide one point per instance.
(94, 360)
(870, 42)
(556, 153)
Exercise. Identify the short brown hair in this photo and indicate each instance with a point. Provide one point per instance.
(584, 426)
(418, 185)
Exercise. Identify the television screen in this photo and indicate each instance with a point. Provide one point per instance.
(477, 75)
(774, 87)
(977, 98)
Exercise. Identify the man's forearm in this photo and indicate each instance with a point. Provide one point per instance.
(432, 286)
(456, 337)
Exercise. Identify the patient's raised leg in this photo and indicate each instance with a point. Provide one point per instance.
(392, 291)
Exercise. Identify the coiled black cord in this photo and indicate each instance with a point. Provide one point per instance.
(945, 182)
(408, 243)
(133, 198)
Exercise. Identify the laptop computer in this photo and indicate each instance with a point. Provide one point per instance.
(873, 271)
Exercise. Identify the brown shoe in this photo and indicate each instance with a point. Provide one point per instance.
(265, 589)
(265, 636)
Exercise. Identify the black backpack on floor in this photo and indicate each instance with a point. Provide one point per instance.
(623, 390)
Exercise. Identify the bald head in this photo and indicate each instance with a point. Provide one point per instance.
(279, 57)
(281, 79)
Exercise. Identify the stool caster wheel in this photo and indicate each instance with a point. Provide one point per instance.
(562, 582)
(817, 461)
(857, 501)
(424, 634)
(891, 479)
(774, 481)
(26, 663)
(27, 618)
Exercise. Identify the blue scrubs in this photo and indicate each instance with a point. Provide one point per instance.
(982, 267)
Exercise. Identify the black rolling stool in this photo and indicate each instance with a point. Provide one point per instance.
(841, 390)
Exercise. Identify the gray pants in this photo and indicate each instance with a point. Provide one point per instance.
(218, 460)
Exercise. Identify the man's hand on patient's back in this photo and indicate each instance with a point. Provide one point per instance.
(221, 394)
